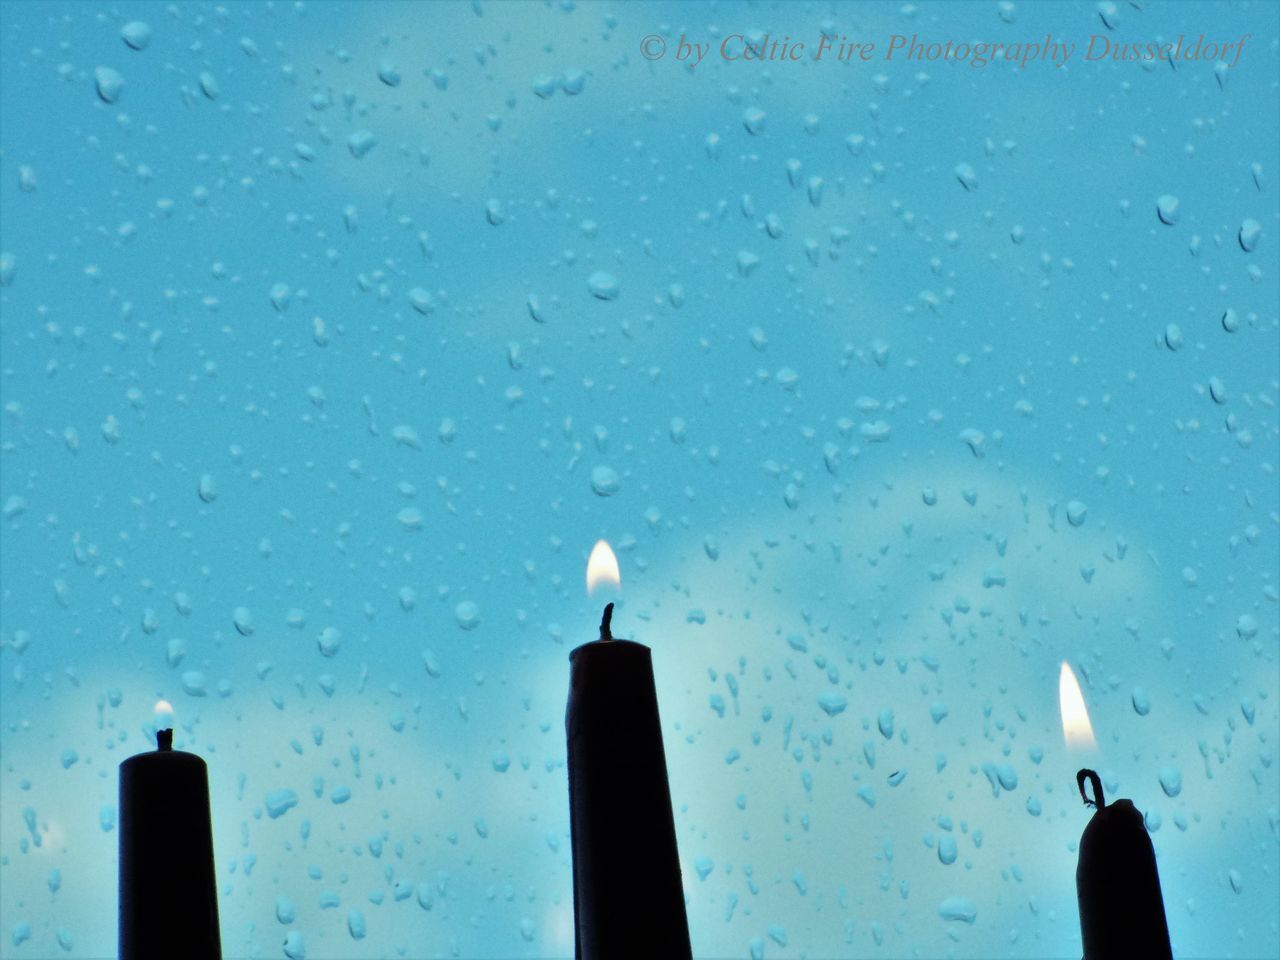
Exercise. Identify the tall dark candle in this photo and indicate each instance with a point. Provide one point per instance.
(168, 900)
(628, 898)
(1121, 906)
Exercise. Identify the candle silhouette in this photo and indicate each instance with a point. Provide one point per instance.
(168, 900)
(1117, 883)
(627, 893)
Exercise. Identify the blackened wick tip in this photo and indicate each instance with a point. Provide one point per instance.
(1099, 801)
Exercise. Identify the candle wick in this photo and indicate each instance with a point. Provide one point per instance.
(1099, 801)
(164, 740)
(605, 621)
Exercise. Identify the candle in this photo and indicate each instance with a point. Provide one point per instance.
(1117, 885)
(627, 893)
(1121, 907)
(168, 901)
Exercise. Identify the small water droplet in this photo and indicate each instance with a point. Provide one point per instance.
(958, 908)
(1141, 702)
(833, 702)
(361, 142)
(467, 613)
(967, 176)
(947, 849)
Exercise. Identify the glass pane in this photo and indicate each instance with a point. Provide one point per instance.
(335, 335)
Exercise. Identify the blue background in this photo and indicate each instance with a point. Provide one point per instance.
(843, 454)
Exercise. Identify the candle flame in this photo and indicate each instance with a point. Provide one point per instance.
(602, 567)
(1077, 731)
(164, 715)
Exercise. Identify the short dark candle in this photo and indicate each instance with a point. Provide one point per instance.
(628, 897)
(1121, 906)
(168, 897)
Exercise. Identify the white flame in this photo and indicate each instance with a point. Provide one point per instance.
(602, 567)
(164, 715)
(1077, 731)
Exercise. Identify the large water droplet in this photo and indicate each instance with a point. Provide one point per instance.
(603, 286)
(1250, 232)
(108, 83)
(605, 481)
(136, 34)
(1167, 208)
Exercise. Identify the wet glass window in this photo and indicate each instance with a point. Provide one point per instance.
(918, 362)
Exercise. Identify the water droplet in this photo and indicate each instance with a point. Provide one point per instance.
(833, 702)
(209, 85)
(1167, 208)
(207, 488)
(753, 121)
(605, 481)
(194, 683)
(1230, 321)
(108, 83)
(467, 613)
(136, 34)
(958, 908)
(947, 849)
(1171, 781)
(603, 286)
(355, 924)
(421, 301)
(361, 142)
(389, 73)
(885, 723)
(329, 641)
(242, 618)
(1141, 702)
(1173, 337)
(1076, 513)
(1250, 232)
(967, 176)
(976, 441)
(280, 296)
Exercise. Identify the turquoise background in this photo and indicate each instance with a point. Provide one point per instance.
(254, 370)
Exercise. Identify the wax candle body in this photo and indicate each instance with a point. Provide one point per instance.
(627, 894)
(168, 900)
(1121, 906)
